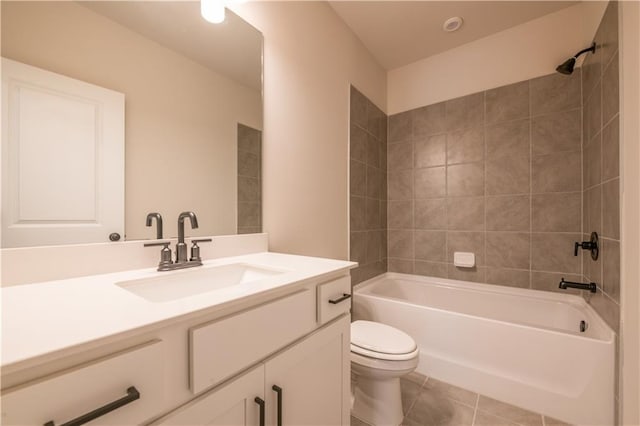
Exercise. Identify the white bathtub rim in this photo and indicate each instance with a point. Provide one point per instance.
(576, 301)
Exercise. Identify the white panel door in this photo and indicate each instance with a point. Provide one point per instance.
(313, 377)
(62, 159)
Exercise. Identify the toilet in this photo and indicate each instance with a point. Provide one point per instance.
(380, 355)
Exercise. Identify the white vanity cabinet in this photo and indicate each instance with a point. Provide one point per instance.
(305, 384)
(133, 377)
(278, 359)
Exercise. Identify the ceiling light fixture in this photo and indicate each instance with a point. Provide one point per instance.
(452, 24)
(212, 10)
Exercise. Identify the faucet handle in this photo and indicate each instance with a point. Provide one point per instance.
(165, 253)
(195, 249)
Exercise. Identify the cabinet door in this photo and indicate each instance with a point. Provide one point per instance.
(314, 378)
(232, 404)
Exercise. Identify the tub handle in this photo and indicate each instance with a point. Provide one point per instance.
(344, 297)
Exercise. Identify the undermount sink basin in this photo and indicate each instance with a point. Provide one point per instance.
(179, 284)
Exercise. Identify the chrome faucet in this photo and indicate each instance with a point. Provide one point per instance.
(181, 262)
(158, 218)
(181, 246)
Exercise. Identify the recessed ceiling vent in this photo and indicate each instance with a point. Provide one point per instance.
(452, 24)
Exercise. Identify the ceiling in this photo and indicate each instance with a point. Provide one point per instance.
(232, 48)
(398, 33)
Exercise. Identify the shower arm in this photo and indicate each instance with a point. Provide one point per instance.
(591, 49)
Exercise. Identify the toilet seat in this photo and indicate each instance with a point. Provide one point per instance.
(380, 341)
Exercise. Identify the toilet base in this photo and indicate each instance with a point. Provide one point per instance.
(377, 402)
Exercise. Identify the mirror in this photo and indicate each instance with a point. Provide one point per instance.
(192, 101)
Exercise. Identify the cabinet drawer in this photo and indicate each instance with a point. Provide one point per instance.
(72, 393)
(334, 299)
(222, 348)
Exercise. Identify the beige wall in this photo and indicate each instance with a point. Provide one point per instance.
(630, 205)
(181, 118)
(310, 59)
(520, 53)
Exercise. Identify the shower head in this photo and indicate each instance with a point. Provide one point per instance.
(567, 66)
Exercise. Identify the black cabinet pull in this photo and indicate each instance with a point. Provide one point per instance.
(344, 297)
(260, 403)
(132, 395)
(278, 390)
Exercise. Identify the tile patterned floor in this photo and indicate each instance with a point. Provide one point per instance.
(429, 402)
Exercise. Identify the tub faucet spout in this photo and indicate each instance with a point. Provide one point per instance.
(581, 286)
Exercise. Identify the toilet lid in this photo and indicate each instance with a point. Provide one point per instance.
(372, 338)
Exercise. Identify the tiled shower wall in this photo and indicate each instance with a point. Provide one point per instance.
(497, 173)
(368, 188)
(249, 180)
(601, 141)
(602, 166)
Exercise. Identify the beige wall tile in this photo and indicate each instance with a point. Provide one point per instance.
(508, 250)
(611, 268)
(551, 282)
(611, 209)
(429, 120)
(465, 179)
(464, 112)
(508, 277)
(400, 185)
(593, 113)
(465, 146)
(358, 144)
(473, 242)
(557, 172)
(402, 266)
(249, 214)
(356, 213)
(430, 151)
(399, 156)
(358, 178)
(375, 178)
(475, 274)
(358, 247)
(553, 252)
(430, 246)
(555, 92)
(372, 214)
(556, 212)
(508, 213)
(400, 127)
(431, 269)
(557, 132)
(430, 183)
(373, 151)
(610, 90)
(430, 213)
(507, 103)
(507, 140)
(591, 73)
(508, 176)
(400, 214)
(592, 164)
(400, 244)
(248, 164)
(373, 246)
(465, 213)
(611, 150)
(594, 209)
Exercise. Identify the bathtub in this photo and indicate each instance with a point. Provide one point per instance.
(520, 346)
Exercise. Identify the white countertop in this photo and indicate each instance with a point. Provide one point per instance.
(49, 317)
